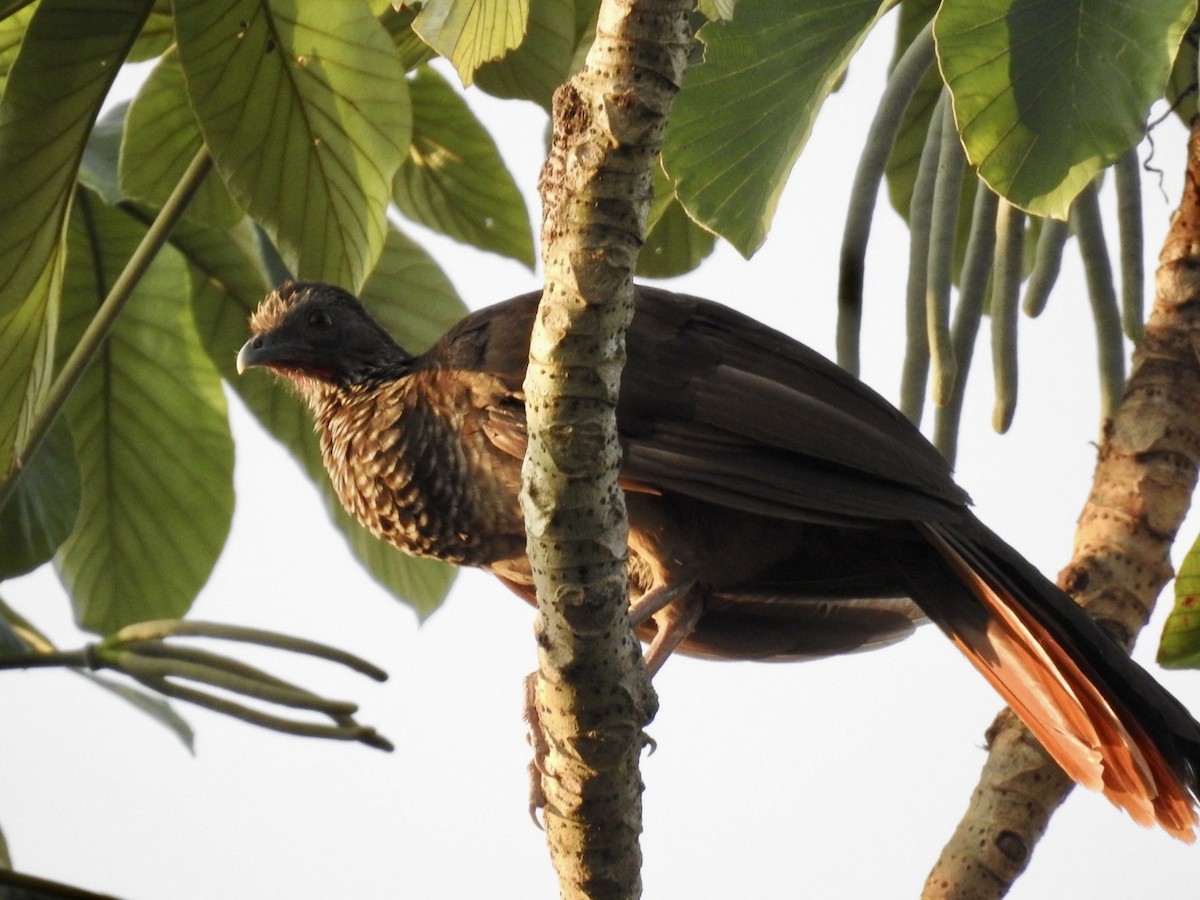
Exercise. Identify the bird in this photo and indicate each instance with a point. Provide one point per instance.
(779, 509)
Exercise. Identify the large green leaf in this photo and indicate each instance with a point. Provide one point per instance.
(305, 109)
(1046, 94)
(12, 32)
(471, 32)
(151, 435)
(66, 63)
(161, 139)
(42, 510)
(407, 292)
(545, 60)
(744, 115)
(454, 180)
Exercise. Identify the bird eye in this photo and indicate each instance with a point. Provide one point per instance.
(318, 318)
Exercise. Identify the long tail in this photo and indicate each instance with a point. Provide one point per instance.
(1103, 718)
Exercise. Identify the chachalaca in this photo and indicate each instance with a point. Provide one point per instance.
(778, 509)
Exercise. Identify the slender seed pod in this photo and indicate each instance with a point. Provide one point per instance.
(881, 137)
(1129, 230)
(972, 294)
(920, 211)
(1097, 269)
(1047, 261)
(1006, 286)
(943, 232)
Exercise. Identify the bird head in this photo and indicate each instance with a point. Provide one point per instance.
(311, 332)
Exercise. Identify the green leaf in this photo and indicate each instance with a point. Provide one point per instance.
(151, 435)
(674, 243)
(27, 337)
(744, 115)
(454, 180)
(410, 295)
(1179, 646)
(42, 510)
(472, 32)
(276, 268)
(12, 32)
(1181, 90)
(66, 64)
(155, 37)
(305, 109)
(162, 138)
(98, 168)
(409, 47)
(1046, 94)
(715, 10)
(155, 707)
(545, 60)
(413, 299)
(65, 67)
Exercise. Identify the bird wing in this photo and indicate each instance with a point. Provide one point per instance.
(723, 408)
(717, 406)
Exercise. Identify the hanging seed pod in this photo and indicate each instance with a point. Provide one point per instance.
(1129, 232)
(881, 137)
(943, 231)
(972, 296)
(1006, 286)
(1097, 269)
(1047, 261)
(916, 354)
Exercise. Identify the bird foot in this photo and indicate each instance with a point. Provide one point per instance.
(541, 748)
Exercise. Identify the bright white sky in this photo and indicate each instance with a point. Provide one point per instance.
(838, 779)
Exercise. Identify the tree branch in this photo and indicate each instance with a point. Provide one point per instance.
(592, 697)
(1145, 474)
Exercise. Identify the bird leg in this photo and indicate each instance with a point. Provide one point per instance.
(676, 608)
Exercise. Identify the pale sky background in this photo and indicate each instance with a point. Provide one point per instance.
(835, 779)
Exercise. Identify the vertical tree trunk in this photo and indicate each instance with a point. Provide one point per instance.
(1145, 474)
(592, 697)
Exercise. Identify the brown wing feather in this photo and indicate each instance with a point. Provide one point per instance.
(720, 407)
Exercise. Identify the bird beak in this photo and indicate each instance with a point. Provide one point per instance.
(251, 354)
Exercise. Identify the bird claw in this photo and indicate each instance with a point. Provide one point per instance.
(541, 749)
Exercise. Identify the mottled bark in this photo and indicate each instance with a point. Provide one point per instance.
(592, 696)
(1145, 474)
